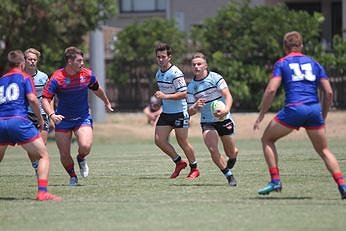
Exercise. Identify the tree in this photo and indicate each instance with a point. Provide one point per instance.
(133, 67)
(335, 59)
(243, 42)
(49, 25)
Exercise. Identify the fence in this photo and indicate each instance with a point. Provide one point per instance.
(339, 88)
(133, 96)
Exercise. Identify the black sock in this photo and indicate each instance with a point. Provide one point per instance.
(225, 170)
(193, 165)
(177, 159)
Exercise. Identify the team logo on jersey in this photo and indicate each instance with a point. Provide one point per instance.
(82, 79)
(67, 81)
(181, 81)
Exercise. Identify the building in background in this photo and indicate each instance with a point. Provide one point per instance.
(188, 13)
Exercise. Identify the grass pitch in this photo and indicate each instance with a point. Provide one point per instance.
(129, 189)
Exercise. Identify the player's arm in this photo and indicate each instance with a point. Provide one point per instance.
(267, 99)
(327, 96)
(176, 96)
(49, 109)
(194, 108)
(35, 106)
(99, 92)
(151, 115)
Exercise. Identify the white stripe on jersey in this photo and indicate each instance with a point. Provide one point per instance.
(170, 82)
(40, 79)
(208, 89)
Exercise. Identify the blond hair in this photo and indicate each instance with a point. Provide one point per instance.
(33, 51)
(199, 55)
(293, 41)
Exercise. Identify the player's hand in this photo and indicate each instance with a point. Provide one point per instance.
(40, 124)
(220, 113)
(257, 122)
(160, 94)
(109, 107)
(57, 118)
(199, 103)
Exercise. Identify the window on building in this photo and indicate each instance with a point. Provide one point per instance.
(128, 6)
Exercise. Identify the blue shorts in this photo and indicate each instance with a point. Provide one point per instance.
(67, 125)
(17, 130)
(308, 116)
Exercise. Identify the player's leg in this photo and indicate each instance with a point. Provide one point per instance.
(63, 141)
(272, 133)
(34, 120)
(2, 151)
(162, 141)
(319, 141)
(84, 137)
(230, 149)
(44, 135)
(225, 131)
(181, 135)
(211, 139)
(38, 151)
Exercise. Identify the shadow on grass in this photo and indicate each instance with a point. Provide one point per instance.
(62, 185)
(280, 198)
(199, 185)
(153, 178)
(15, 199)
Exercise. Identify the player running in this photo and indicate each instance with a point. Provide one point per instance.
(16, 91)
(40, 79)
(301, 76)
(205, 88)
(71, 84)
(172, 91)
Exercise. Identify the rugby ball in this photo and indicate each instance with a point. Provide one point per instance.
(215, 106)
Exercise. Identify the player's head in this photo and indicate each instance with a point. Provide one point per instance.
(32, 57)
(163, 55)
(74, 59)
(293, 42)
(199, 64)
(16, 59)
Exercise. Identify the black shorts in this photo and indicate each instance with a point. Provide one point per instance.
(223, 128)
(175, 120)
(34, 120)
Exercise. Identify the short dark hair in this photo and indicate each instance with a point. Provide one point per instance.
(163, 47)
(15, 58)
(72, 52)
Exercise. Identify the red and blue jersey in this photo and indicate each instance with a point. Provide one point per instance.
(14, 86)
(300, 77)
(71, 91)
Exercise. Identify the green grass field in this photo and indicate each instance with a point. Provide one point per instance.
(129, 189)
